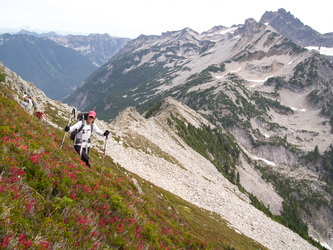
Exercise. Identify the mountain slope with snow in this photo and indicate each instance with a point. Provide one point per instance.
(273, 96)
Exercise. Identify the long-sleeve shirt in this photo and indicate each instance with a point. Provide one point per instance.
(83, 137)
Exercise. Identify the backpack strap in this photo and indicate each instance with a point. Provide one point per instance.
(80, 128)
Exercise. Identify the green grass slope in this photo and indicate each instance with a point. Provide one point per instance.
(49, 199)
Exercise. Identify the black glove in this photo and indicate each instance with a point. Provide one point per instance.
(66, 128)
(106, 133)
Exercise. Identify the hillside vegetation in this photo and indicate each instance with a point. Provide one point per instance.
(51, 200)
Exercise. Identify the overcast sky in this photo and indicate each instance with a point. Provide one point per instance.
(131, 18)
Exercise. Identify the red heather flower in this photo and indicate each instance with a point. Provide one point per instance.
(24, 241)
(14, 179)
(35, 157)
(72, 176)
(5, 242)
(73, 197)
(44, 245)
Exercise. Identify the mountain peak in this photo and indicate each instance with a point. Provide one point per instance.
(281, 16)
(291, 27)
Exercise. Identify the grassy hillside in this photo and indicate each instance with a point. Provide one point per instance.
(51, 200)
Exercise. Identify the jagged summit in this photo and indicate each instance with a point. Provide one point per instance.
(293, 28)
(279, 16)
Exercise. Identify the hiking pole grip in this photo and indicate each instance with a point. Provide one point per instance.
(69, 120)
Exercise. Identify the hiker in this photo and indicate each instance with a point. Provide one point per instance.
(28, 103)
(83, 130)
(39, 115)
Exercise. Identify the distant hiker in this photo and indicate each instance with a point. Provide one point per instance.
(82, 131)
(29, 99)
(28, 103)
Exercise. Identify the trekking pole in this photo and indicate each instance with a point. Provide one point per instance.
(72, 114)
(106, 138)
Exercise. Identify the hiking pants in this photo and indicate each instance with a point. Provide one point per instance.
(85, 152)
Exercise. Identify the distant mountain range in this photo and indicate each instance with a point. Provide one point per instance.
(57, 64)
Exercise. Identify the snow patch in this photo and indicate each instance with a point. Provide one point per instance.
(296, 109)
(259, 159)
(267, 136)
(264, 160)
(322, 50)
(231, 30)
(233, 71)
(259, 81)
(324, 244)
